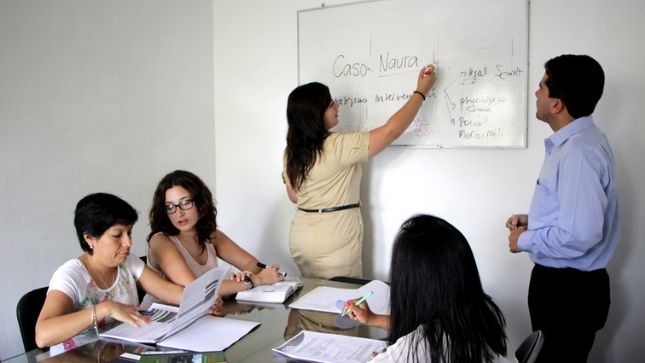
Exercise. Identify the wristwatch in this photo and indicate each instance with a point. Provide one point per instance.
(248, 283)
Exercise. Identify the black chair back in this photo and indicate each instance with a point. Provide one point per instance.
(27, 312)
(530, 348)
(140, 291)
(351, 280)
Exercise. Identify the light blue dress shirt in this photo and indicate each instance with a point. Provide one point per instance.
(573, 219)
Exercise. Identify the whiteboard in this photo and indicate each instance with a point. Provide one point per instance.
(369, 54)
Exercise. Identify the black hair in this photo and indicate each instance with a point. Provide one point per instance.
(435, 284)
(307, 132)
(97, 212)
(577, 80)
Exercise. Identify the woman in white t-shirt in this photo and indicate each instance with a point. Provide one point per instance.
(439, 311)
(101, 283)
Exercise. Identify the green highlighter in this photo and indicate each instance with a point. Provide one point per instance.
(358, 302)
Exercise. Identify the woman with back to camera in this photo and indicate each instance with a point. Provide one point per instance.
(439, 311)
(322, 173)
(185, 242)
(101, 284)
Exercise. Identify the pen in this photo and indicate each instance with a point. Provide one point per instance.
(358, 302)
(261, 265)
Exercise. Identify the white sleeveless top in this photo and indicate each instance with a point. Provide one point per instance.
(197, 268)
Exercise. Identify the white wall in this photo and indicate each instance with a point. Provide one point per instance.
(94, 96)
(111, 95)
(256, 68)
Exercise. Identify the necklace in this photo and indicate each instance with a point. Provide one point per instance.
(96, 271)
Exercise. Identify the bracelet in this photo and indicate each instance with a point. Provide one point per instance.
(95, 324)
(420, 94)
(248, 282)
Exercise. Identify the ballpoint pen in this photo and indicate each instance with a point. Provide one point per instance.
(358, 302)
(261, 265)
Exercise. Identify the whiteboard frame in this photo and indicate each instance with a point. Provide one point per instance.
(521, 132)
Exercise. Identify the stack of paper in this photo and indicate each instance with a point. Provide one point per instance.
(332, 348)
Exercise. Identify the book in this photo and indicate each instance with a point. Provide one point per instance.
(171, 357)
(276, 293)
(183, 327)
(334, 348)
(180, 357)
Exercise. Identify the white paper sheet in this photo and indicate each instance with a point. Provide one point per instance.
(332, 348)
(324, 298)
(209, 333)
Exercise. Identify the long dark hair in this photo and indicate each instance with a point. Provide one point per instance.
(306, 108)
(435, 283)
(202, 197)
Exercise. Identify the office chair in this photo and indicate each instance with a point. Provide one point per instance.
(27, 312)
(141, 292)
(351, 280)
(530, 348)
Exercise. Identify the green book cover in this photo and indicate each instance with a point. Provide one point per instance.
(188, 357)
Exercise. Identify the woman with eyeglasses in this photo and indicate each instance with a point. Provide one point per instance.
(185, 242)
(322, 173)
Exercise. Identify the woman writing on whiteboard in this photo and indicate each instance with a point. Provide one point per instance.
(322, 174)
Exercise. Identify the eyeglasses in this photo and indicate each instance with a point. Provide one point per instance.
(184, 204)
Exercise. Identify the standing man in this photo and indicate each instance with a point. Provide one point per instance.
(571, 230)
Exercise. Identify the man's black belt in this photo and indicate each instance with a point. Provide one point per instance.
(331, 209)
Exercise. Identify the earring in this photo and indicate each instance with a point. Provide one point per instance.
(91, 247)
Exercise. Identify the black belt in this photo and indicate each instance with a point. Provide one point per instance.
(331, 209)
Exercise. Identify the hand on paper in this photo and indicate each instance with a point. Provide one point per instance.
(216, 309)
(239, 276)
(361, 312)
(128, 314)
(268, 276)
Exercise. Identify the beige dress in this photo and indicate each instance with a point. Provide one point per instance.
(325, 245)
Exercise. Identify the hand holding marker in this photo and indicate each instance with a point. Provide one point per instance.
(427, 71)
(357, 302)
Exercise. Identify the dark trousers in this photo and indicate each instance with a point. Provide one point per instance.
(569, 306)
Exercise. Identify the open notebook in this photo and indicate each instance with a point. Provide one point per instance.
(185, 327)
(275, 293)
